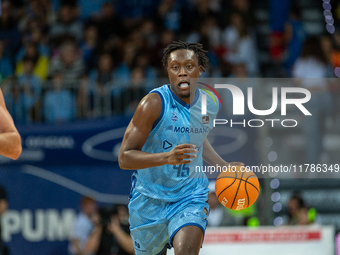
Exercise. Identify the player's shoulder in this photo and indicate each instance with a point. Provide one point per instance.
(2, 101)
(158, 96)
(151, 105)
(150, 102)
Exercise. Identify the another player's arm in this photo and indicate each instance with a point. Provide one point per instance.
(212, 158)
(130, 155)
(10, 140)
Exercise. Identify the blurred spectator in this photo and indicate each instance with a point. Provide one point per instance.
(3, 208)
(123, 71)
(166, 37)
(209, 34)
(111, 234)
(6, 68)
(142, 60)
(89, 46)
(108, 24)
(67, 24)
(30, 88)
(34, 34)
(68, 62)
(135, 92)
(202, 11)
(82, 226)
(136, 39)
(213, 5)
(328, 51)
(41, 62)
(294, 35)
(336, 52)
(148, 32)
(9, 29)
(40, 11)
(313, 64)
(242, 7)
(231, 33)
(89, 7)
(100, 83)
(298, 213)
(103, 75)
(82, 99)
(239, 71)
(174, 15)
(131, 12)
(334, 86)
(241, 46)
(59, 103)
(218, 216)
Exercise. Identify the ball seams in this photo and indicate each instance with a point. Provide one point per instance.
(226, 188)
(236, 192)
(240, 180)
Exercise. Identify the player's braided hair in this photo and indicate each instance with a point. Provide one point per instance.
(197, 48)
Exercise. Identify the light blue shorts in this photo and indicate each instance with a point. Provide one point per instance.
(154, 222)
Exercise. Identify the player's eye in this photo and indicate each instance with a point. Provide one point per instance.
(189, 66)
(175, 67)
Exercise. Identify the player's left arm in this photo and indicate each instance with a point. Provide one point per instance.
(212, 158)
(10, 140)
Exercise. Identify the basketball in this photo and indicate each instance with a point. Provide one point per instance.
(237, 188)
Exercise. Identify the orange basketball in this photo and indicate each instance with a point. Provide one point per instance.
(237, 188)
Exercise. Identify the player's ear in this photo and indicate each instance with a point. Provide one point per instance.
(200, 70)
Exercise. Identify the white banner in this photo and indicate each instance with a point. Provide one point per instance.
(311, 240)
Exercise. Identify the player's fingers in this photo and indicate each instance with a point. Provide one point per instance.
(188, 150)
(236, 164)
(185, 145)
(181, 161)
(189, 156)
(186, 161)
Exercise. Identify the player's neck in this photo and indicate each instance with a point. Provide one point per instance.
(187, 99)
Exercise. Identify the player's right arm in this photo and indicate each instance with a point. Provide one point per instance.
(10, 140)
(130, 155)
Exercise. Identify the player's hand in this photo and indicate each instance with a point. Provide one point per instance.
(182, 154)
(114, 225)
(234, 164)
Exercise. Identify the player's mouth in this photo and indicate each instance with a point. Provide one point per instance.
(184, 85)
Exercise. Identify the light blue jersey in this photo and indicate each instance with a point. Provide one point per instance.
(178, 123)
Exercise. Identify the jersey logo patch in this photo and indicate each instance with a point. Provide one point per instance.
(166, 145)
(205, 211)
(205, 119)
(170, 128)
(174, 117)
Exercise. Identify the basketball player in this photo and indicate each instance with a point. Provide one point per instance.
(10, 141)
(165, 140)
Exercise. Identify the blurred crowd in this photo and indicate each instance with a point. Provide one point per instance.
(100, 230)
(64, 60)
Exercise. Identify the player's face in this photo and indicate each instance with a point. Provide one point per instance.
(182, 66)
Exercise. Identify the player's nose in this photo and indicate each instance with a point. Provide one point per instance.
(182, 72)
